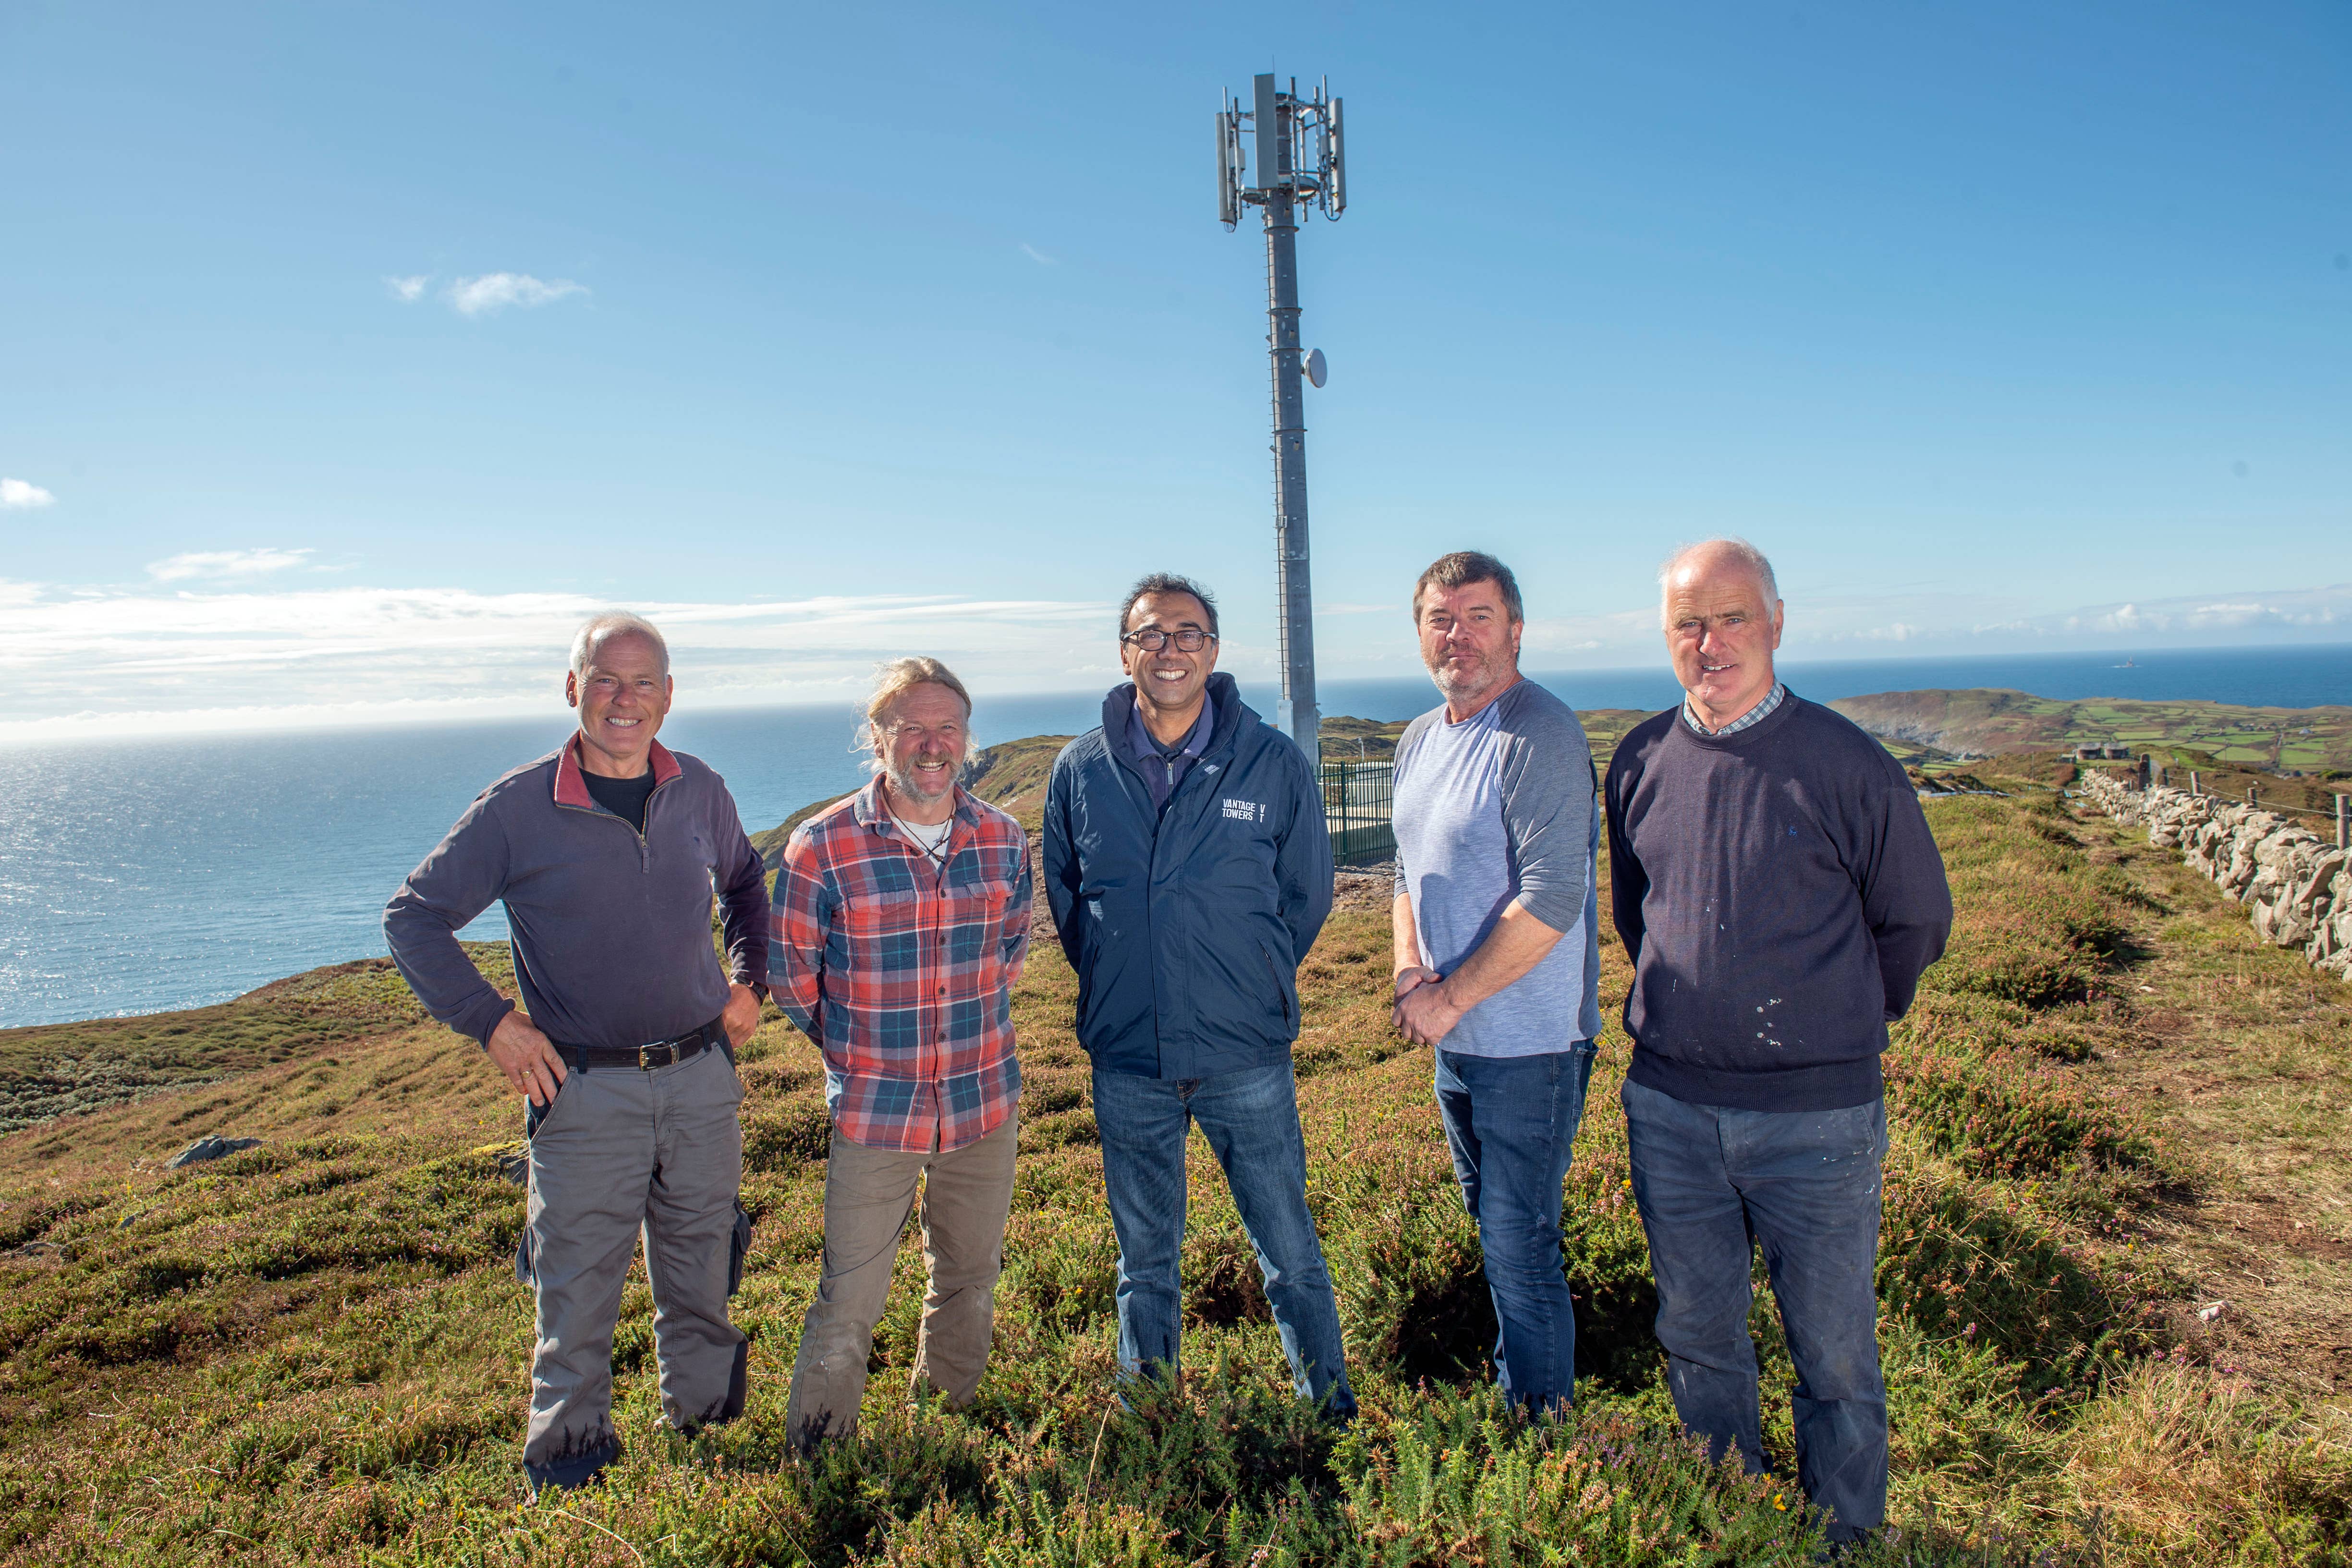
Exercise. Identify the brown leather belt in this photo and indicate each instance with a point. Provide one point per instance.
(645, 1058)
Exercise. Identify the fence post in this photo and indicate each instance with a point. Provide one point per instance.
(2251, 800)
(2343, 820)
(2193, 787)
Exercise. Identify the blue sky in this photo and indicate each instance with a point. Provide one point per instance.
(350, 351)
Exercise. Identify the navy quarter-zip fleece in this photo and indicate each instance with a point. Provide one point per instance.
(611, 927)
(1186, 926)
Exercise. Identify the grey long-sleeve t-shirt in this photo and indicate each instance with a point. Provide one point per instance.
(611, 928)
(1780, 896)
(1494, 810)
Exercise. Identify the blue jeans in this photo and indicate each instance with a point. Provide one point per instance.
(1511, 1121)
(1251, 1120)
(1712, 1183)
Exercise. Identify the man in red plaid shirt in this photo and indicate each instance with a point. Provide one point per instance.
(899, 924)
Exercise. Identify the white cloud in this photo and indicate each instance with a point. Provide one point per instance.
(496, 291)
(2294, 610)
(407, 290)
(307, 657)
(162, 657)
(1039, 256)
(224, 563)
(19, 495)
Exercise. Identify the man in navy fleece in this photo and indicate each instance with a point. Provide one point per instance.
(1778, 895)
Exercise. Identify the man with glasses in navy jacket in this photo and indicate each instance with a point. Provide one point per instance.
(1187, 869)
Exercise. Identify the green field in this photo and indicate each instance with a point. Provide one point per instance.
(315, 1352)
(1981, 723)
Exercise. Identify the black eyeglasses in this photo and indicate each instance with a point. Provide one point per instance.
(1151, 639)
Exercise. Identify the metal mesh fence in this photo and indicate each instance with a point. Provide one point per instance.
(1357, 807)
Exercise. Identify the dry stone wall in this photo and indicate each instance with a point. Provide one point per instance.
(2296, 886)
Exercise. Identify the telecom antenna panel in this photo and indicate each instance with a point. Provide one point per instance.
(1301, 162)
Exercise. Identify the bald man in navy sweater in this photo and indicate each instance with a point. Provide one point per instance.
(1779, 895)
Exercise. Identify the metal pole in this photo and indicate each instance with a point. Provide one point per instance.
(1298, 716)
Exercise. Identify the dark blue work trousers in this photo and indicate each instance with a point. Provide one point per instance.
(1712, 1184)
(1510, 1122)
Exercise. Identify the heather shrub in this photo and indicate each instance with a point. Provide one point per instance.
(1978, 1263)
(2013, 1113)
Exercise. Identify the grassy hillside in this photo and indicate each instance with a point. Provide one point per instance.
(1987, 722)
(2111, 1108)
(1344, 739)
(54, 1070)
(1013, 774)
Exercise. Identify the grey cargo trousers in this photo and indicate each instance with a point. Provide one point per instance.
(619, 1152)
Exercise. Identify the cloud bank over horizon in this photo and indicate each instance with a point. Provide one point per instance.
(134, 661)
(225, 652)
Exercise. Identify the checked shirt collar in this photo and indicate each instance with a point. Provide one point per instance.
(1755, 715)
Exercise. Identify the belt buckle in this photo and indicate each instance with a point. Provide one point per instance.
(646, 1062)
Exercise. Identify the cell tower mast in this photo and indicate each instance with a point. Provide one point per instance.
(1301, 162)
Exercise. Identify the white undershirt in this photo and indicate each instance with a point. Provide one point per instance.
(927, 836)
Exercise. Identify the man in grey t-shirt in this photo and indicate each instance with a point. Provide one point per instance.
(1498, 947)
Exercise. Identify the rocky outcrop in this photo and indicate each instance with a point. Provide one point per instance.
(2296, 886)
(209, 1148)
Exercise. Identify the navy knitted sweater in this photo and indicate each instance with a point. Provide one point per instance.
(1778, 895)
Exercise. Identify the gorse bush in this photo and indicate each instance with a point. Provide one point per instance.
(315, 1352)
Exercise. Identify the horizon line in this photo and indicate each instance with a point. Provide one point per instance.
(316, 718)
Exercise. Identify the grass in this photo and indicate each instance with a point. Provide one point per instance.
(316, 1351)
(2221, 736)
(57, 1070)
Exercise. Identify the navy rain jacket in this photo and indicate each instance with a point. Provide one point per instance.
(1186, 934)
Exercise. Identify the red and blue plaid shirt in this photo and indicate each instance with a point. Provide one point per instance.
(902, 970)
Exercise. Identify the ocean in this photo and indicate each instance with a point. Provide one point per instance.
(144, 876)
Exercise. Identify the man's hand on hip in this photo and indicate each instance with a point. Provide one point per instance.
(527, 1058)
(743, 1015)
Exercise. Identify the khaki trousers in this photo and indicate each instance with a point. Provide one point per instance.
(868, 1195)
